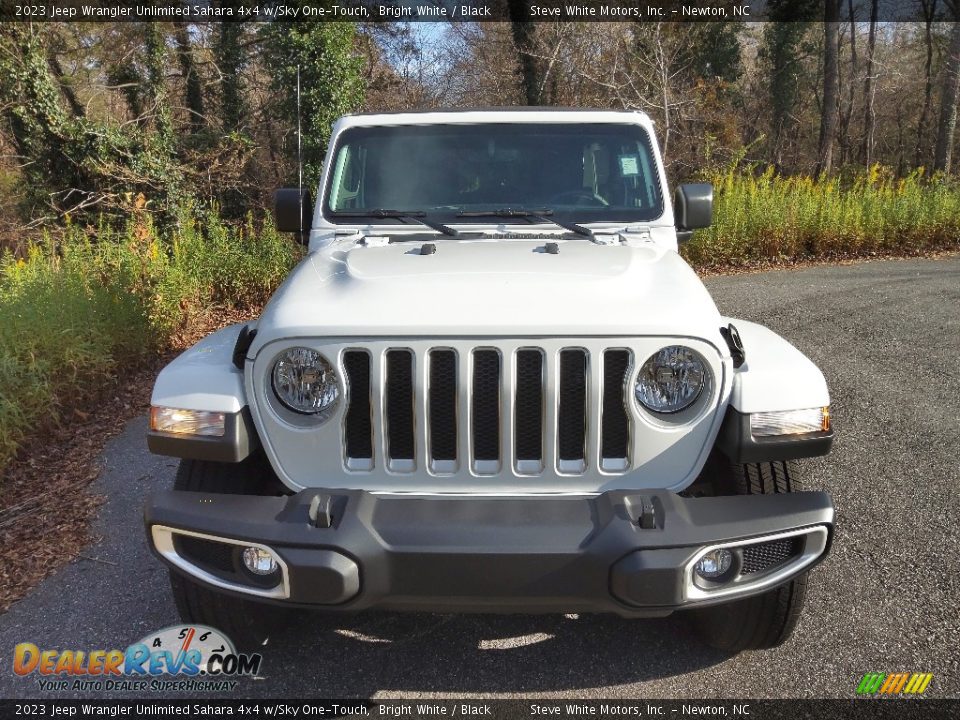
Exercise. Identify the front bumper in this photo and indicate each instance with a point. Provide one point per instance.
(620, 551)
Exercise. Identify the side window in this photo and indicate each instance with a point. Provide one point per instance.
(347, 186)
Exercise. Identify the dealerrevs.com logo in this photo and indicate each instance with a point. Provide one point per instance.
(179, 657)
(901, 683)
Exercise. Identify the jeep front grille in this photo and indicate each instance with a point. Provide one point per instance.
(487, 409)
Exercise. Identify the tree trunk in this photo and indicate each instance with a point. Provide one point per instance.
(522, 29)
(948, 103)
(846, 113)
(828, 115)
(929, 11)
(230, 56)
(71, 97)
(193, 92)
(869, 112)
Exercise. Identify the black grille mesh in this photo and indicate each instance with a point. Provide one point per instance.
(615, 430)
(528, 429)
(214, 556)
(571, 418)
(763, 556)
(486, 405)
(357, 428)
(443, 405)
(399, 404)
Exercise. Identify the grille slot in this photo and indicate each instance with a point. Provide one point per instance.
(399, 409)
(214, 556)
(764, 556)
(528, 411)
(443, 410)
(486, 410)
(615, 425)
(358, 428)
(572, 410)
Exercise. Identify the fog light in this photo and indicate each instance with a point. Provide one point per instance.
(714, 563)
(259, 561)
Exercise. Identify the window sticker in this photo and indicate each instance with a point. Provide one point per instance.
(629, 165)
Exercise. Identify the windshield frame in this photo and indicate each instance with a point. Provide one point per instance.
(579, 215)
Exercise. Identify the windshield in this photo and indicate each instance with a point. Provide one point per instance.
(581, 172)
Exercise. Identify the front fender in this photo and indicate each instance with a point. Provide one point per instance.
(775, 377)
(204, 378)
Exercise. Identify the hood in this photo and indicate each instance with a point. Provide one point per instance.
(490, 288)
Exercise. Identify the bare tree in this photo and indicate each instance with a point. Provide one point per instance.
(929, 9)
(828, 113)
(523, 39)
(846, 112)
(948, 102)
(869, 111)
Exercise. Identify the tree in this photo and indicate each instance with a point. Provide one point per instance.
(231, 57)
(331, 81)
(948, 101)
(869, 111)
(828, 113)
(783, 35)
(929, 10)
(39, 127)
(522, 29)
(193, 91)
(715, 50)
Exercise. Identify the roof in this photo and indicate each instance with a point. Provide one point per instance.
(493, 109)
(495, 115)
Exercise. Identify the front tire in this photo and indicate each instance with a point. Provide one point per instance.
(763, 621)
(248, 623)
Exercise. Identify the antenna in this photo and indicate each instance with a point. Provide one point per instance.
(299, 155)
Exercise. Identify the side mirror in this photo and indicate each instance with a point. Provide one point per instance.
(692, 208)
(288, 204)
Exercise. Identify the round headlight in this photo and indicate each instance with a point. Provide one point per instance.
(306, 382)
(671, 379)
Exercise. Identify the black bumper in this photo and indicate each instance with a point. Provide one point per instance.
(622, 552)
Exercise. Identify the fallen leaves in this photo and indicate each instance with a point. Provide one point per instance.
(46, 504)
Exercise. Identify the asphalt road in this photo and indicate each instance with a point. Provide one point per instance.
(887, 335)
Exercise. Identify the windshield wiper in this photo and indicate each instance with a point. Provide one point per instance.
(534, 215)
(416, 215)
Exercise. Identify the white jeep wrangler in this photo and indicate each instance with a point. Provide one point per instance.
(493, 386)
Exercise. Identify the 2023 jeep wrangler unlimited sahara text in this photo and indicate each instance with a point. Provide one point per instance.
(493, 385)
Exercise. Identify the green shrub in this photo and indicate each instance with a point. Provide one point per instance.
(78, 308)
(768, 217)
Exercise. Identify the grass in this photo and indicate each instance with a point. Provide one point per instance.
(78, 309)
(767, 217)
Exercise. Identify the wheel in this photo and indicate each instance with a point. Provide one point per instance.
(762, 621)
(248, 623)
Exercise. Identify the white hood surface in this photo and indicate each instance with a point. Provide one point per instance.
(493, 288)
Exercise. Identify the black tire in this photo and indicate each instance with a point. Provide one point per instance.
(763, 621)
(249, 624)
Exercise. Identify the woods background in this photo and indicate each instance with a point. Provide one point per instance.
(137, 160)
(93, 114)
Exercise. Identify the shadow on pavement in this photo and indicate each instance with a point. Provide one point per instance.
(419, 653)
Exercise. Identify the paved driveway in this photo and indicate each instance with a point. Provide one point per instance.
(887, 335)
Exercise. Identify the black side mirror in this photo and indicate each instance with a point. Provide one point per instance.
(692, 208)
(293, 210)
